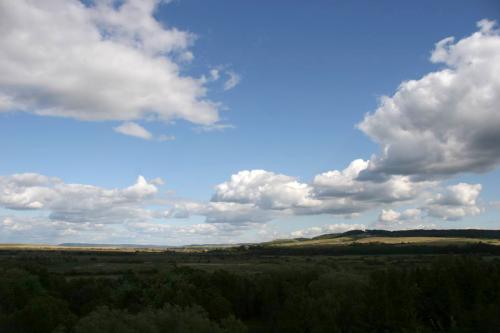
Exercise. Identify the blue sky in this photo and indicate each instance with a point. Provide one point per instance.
(308, 73)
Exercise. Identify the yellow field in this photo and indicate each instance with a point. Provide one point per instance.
(277, 243)
(46, 247)
(384, 240)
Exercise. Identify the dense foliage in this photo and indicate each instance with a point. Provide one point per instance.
(453, 294)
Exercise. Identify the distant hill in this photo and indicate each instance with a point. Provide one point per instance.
(146, 246)
(447, 233)
(112, 245)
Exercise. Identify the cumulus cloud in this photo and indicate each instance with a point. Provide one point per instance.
(40, 229)
(346, 183)
(456, 202)
(97, 62)
(223, 212)
(246, 200)
(411, 218)
(253, 196)
(451, 203)
(258, 196)
(388, 215)
(446, 122)
(392, 216)
(76, 202)
(265, 189)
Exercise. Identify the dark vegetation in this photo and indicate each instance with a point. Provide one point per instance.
(253, 289)
(376, 249)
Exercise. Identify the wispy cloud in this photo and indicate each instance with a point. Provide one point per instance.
(213, 128)
(133, 129)
(232, 81)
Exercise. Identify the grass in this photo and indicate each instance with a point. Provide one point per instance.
(383, 240)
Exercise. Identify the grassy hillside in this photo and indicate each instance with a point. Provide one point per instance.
(350, 242)
(414, 237)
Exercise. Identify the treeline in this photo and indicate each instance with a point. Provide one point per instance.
(369, 249)
(452, 294)
(459, 233)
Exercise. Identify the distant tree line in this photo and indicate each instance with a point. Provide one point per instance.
(370, 249)
(452, 294)
(459, 233)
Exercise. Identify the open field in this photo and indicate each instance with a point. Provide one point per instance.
(355, 237)
(386, 240)
(359, 252)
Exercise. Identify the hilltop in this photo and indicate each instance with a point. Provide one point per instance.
(368, 240)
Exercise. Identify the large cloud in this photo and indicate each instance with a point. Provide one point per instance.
(451, 203)
(98, 62)
(223, 212)
(256, 196)
(53, 209)
(448, 121)
(76, 202)
(265, 189)
(345, 183)
(42, 230)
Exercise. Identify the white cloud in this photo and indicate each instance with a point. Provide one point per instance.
(452, 203)
(258, 196)
(164, 137)
(98, 62)
(248, 199)
(133, 129)
(391, 216)
(158, 181)
(213, 128)
(223, 212)
(76, 202)
(232, 81)
(346, 183)
(446, 122)
(456, 202)
(265, 189)
(215, 74)
(42, 230)
(340, 183)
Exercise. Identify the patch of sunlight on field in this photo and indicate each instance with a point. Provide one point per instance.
(385, 240)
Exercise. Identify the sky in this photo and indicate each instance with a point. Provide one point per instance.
(188, 122)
